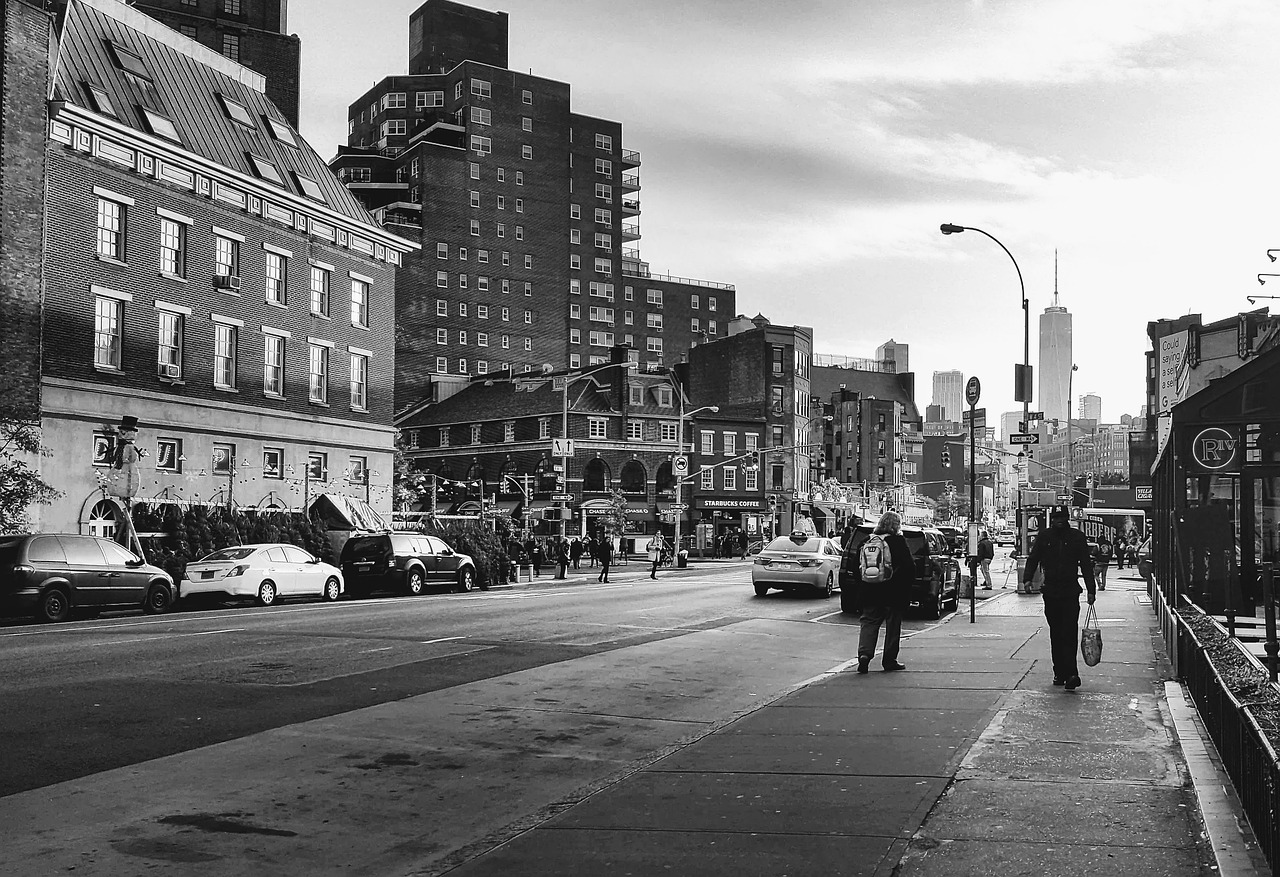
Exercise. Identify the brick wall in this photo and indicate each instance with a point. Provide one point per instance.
(73, 268)
(23, 90)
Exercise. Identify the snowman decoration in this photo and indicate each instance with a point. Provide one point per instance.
(125, 478)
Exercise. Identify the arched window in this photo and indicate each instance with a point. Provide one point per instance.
(475, 478)
(595, 477)
(634, 478)
(103, 519)
(544, 478)
(665, 481)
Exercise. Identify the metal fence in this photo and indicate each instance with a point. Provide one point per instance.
(1247, 754)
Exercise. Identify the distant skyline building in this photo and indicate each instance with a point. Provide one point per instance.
(948, 391)
(1009, 424)
(1090, 407)
(1055, 361)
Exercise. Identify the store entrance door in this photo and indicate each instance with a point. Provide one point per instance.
(1260, 529)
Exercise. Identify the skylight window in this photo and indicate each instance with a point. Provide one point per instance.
(309, 187)
(236, 111)
(265, 169)
(101, 102)
(130, 62)
(280, 131)
(161, 126)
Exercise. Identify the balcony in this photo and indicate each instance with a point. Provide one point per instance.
(630, 158)
(630, 208)
(631, 231)
(630, 183)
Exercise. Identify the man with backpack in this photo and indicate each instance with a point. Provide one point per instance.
(1062, 552)
(887, 570)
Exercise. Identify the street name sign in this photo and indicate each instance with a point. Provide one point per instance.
(562, 497)
(978, 416)
(562, 447)
(677, 507)
(1024, 438)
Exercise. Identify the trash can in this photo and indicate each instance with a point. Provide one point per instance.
(682, 559)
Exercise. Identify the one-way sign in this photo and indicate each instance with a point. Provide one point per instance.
(1024, 438)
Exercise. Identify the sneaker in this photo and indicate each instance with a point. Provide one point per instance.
(862, 665)
(1073, 683)
(894, 666)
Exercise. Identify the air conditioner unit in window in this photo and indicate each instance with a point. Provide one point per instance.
(227, 281)
(168, 370)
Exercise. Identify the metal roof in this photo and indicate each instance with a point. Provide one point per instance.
(182, 82)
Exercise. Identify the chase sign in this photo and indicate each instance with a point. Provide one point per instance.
(1215, 449)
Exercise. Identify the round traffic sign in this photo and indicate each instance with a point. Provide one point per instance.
(972, 391)
(680, 465)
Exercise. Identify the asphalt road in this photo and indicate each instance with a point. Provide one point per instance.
(88, 696)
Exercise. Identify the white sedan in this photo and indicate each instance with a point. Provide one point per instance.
(264, 573)
(799, 562)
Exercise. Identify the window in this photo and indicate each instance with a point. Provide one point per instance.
(226, 256)
(775, 476)
(654, 321)
(600, 314)
(107, 328)
(359, 302)
(603, 241)
(223, 459)
(231, 7)
(519, 232)
(359, 381)
(506, 262)
(475, 227)
(442, 336)
(575, 336)
(605, 142)
(462, 284)
(506, 313)
(654, 296)
(711, 302)
(481, 116)
(528, 345)
(502, 203)
(442, 365)
(502, 175)
(482, 283)
(693, 325)
(635, 430)
(506, 342)
(173, 247)
(442, 279)
(429, 99)
(502, 229)
(462, 366)
(575, 360)
(664, 397)
(319, 291)
(111, 226)
(526, 96)
(482, 339)
(100, 100)
(457, 90)
(225, 342)
(693, 302)
(597, 427)
(273, 364)
(575, 236)
(319, 374)
(777, 360)
(462, 253)
(575, 211)
(526, 124)
(277, 267)
(604, 192)
(751, 440)
(519, 209)
(544, 427)
(170, 333)
(309, 187)
(603, 266)
(526, 151)
(130, 62)
(628, 293)
(603, 217)
(281, 131)
(708, 477)
(509, 431)
(711, 327)
(708, 442)
(475, 198)
(481, 88)
(528, 316)
(393, 100)
(317, 466)
(667, 430)
(187, 30)
(730, 476)
(169, 455)
(358, 470)
(482, 311)
(462, 337)
(442, 251)
(442, 307)
(604, 167)
(482, 366)
(394, 127)
(528, 261)
(231, 46)
(654, 345)
(235, 110)
(273, 462)
(481, 145)
(751, 480)
(775, 436)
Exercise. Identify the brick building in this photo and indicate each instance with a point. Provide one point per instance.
(523, 208)
(254, 33)
(205, 273)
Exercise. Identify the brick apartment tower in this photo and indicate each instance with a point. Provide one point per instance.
(250, 32)
(522, 207)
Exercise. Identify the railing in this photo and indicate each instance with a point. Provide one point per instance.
(647, 275)
(855, 363)
(631, 181)
(630, 205)
(1247, 754)
(631, 156)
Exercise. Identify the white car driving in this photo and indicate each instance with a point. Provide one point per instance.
(264, 573)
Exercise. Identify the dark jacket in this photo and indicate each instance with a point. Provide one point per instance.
(604, 551)
(895, 593)
(1063, 553)
(986, 549)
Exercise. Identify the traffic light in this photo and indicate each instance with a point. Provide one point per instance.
(946, 457)
(754, 460)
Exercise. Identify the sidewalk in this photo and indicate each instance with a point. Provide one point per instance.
(969, 762)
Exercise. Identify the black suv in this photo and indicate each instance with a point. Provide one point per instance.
(51, 574)
(937, 571)
(404, 562)
(956, 539)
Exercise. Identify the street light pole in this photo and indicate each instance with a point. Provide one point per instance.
(714, 409)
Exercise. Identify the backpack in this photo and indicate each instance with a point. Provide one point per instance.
(874, 562)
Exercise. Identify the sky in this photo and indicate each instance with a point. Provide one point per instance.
(807, 151)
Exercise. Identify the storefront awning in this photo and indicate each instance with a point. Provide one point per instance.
(348, 513)
(508, 507)
(825, 511)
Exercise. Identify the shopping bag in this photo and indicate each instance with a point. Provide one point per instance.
(1091, 638)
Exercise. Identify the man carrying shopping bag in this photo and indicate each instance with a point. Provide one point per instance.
(1062, 552)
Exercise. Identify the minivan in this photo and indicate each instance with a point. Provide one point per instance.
(50, 575)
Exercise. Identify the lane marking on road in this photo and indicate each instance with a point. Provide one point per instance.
(443, 639)
(151, 639)
(371, 651)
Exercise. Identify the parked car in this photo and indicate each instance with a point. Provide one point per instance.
(265, 573)
(937, 571)
(404, 562)
(798, 562)
(1005, 537)
(955, 538)
(51, 575)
